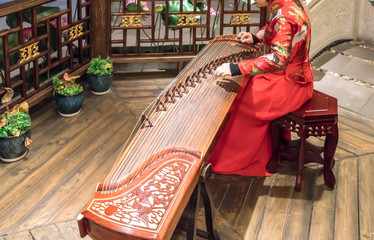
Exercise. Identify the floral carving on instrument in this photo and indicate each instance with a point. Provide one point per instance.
(145, 206)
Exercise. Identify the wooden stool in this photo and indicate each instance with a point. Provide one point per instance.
(317, 117)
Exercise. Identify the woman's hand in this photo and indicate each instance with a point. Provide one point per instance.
(223, 70)
(245, 37)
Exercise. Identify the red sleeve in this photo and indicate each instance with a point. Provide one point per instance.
(279, 37)
(261, 33)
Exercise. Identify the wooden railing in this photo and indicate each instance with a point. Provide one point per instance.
(169, 29)
(41, 41)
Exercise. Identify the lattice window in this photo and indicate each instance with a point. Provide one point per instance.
(156, 28)
(41, 41)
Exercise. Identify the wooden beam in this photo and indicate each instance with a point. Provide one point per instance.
(18, 5)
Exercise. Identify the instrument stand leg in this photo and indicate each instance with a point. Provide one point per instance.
(200, 191)
(191, 214)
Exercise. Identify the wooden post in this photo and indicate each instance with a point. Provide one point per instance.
(264, 14)
(100, 28)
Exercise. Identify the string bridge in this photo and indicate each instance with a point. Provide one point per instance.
(145, 120)
(170, 96)
(161, 105)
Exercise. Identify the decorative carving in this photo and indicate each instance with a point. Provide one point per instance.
(318, 130)
(76, 31)
(29, 52)
(290, 125)
(131, 21)
(241, 18)
(187, 19)
(145, 206)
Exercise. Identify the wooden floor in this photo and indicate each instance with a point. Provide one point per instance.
(41, 195)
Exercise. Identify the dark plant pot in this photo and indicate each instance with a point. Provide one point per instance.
(99, 85)
(69, 106)
(13, 148)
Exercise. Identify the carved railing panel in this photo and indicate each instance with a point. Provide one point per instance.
(39, 40)
(170, 28)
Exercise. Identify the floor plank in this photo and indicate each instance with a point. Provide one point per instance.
(51, 175)
(366, 196)
(101, 161)
(218, 191)
(53, 140)
(50, 232)
(69, 230)
(362, 139)
(24, 235)
(357, 122)
(231, 206)
(346, 214)
(323, 213)
(251, 217)
(277, 207)
(298, 219)
(65, 185)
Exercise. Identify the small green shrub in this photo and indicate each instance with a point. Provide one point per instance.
(15, 122)
(66, 86)
(100, 66)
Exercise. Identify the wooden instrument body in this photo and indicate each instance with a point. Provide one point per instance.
(147, 203)
(169, 149)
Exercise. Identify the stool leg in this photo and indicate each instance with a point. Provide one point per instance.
(275, 131)
(331, 142)
(300, 161)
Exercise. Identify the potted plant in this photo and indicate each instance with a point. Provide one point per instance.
(69, 95)
(15, 133)
(100, 75)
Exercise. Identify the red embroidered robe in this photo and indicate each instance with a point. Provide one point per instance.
(276, 83)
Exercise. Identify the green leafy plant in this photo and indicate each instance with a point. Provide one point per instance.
(100, 66)
(16, 121)
(66, 86)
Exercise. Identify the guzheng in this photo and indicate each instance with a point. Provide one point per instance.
(152, 180)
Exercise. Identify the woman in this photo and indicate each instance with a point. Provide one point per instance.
(276, 84)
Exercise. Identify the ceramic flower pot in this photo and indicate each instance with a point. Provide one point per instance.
(99, 85)
(69, 106)
(14, 148)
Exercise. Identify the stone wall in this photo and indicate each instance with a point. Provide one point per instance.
(366, 22)
(332, 20)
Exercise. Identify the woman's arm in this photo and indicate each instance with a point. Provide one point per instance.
(281, 33)
(260, 34)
